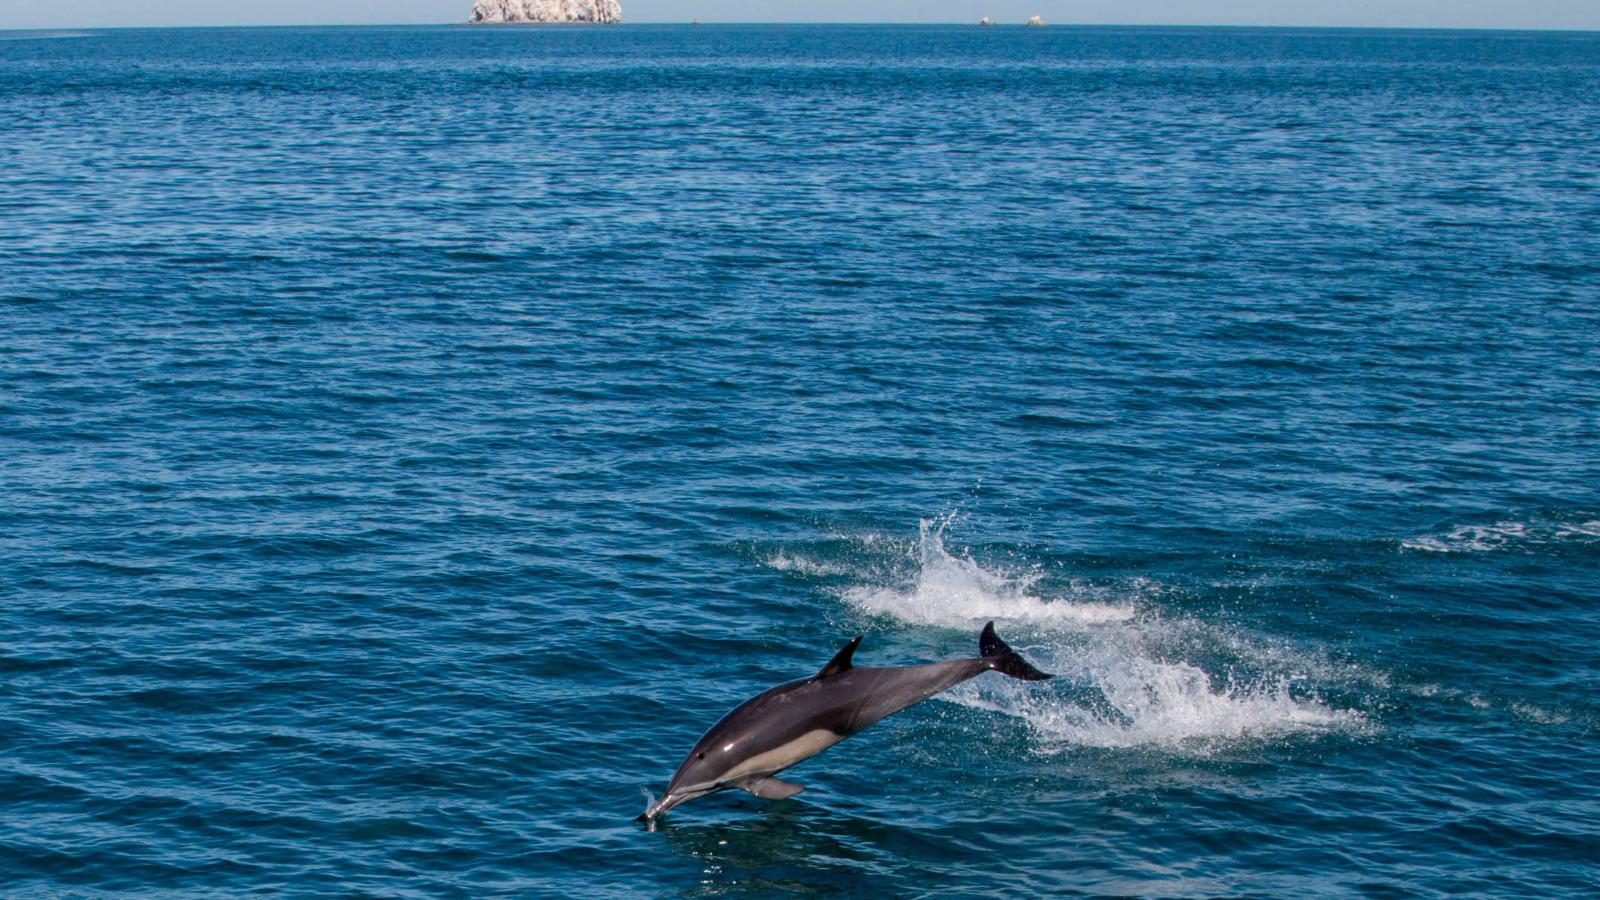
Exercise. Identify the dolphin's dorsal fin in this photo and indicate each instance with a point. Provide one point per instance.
(841, 660)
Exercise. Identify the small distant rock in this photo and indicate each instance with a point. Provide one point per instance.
(1035, 22)
(598, 12)
(985, 21)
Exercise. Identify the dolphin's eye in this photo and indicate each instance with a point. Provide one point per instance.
(699, 756)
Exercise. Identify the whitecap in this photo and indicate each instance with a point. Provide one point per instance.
(803, 565)
(1589, 529)
(1539, 715)
(1469, 538)
(44, 35)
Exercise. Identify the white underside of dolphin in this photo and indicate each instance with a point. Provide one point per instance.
(795, 721)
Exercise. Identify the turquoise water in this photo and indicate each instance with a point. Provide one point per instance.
(411, 440)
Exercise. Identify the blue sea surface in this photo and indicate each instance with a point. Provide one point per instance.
(413, 439)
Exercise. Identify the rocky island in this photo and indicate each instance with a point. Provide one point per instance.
(599, 12)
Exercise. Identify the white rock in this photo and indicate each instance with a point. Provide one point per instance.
(487, 12)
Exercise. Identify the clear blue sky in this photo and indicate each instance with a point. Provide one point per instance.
(1406, 13)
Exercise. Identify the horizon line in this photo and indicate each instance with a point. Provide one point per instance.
(691, 23)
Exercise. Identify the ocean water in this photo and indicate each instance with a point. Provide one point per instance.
(412, 439)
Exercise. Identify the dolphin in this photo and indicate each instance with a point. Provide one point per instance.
(799, 719)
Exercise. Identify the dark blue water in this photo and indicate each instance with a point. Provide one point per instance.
(412, 439)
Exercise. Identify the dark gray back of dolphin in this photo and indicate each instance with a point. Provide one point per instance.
(797, 720)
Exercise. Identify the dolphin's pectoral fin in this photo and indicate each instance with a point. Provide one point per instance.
(773, 789)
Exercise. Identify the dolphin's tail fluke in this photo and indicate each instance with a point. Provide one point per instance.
(1005, 660)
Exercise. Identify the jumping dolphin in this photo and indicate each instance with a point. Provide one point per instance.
(795, 721)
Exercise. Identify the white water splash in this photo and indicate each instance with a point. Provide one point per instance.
(1124, 679)
(1172, 705)
(649, 804)
(954, 591)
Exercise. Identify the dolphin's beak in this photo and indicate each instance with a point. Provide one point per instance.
(661, 806)
(674, 798)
